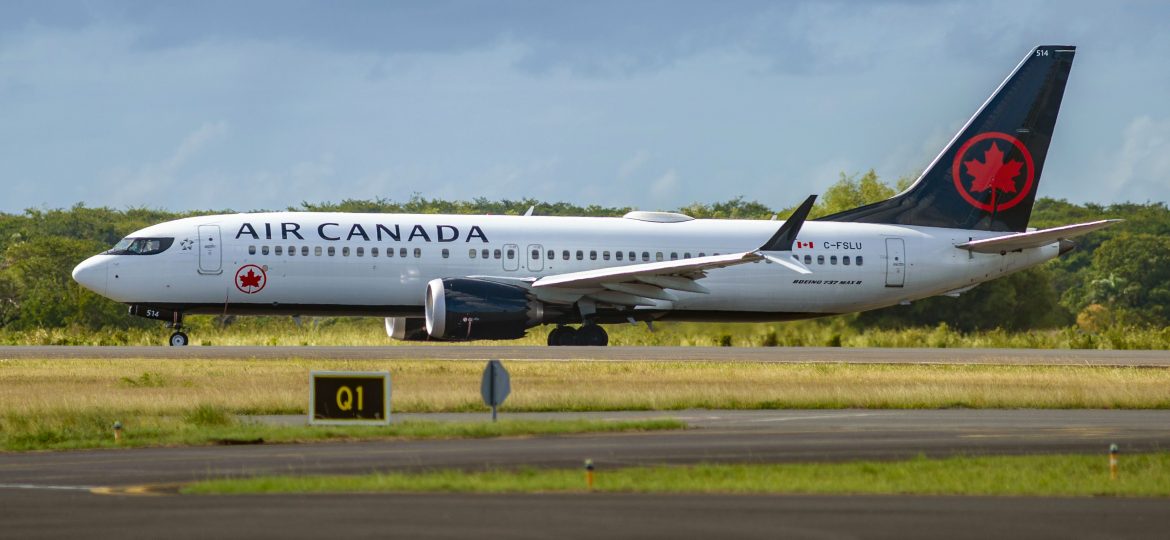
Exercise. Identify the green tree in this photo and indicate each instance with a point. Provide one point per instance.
(43, 293)
(1130, 275)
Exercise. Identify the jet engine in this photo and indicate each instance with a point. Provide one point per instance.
(407, 328)
(463, 309)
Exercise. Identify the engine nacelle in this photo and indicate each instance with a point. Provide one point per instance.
(462, 309)
(407, 328)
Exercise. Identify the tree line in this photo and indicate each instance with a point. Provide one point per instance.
(1117, 276)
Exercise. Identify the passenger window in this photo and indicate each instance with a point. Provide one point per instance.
(686, 255)
(264, 250)
(701, 254)
(446, 253)
(859, 260)
(633, 256)
(552, 254)
(673, 256)
(361, 251)
(845, 260)
(658, 256)
(485, 253)
(646, 256)
(592, 255)
(402, 252)
(471, 253)
(304, 251)
(808, 259)
(536, 254)
(279, 250)
(833, 260)
(389, 252)
(332, 251)
(820, 259)
(251, 250)
(605, 255)
(417, 252)
(565, 254)
(345, 251)
(292, 250)
(617, 255)
(317, 251)
(511, 254)
(496, 253)
(373, 252)
(580, 255)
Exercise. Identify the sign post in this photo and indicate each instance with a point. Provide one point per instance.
(349, 398)
(496, 385)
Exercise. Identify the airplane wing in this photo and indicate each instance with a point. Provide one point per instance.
(643, 284)
(1034, 239)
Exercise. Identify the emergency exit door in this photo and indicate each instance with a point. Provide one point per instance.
(210, 251)
(895, 262)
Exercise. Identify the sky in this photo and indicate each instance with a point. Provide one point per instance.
(648, 104)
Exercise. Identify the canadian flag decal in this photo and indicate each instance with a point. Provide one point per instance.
(804, 245)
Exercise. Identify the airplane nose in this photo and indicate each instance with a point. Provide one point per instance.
(91, 274)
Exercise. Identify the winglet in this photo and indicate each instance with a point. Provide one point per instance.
(786, 235)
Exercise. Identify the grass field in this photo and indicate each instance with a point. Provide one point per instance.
(1146, 475)
(73, 403)
(208, 425)
(833, 332)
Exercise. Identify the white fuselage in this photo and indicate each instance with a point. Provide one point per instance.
(379, 264)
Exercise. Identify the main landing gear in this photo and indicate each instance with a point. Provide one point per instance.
(590, 335)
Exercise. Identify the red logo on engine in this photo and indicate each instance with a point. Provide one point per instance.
(250, 279)
(988, 173)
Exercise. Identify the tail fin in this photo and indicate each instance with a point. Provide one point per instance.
(986, 177)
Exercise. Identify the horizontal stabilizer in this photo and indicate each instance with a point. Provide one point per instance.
(1034, 239)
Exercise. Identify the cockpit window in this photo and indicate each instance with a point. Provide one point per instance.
(141, 246)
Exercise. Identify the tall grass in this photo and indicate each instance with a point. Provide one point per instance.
(835, 332)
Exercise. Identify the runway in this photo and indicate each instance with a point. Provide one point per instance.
(49, 495)
(35, 488)
(1047, 357)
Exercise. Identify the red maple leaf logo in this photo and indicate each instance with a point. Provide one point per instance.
(251, 279)
(992, 172)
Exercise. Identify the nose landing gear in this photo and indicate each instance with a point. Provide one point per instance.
(178, 337)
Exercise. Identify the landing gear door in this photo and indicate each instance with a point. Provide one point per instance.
(535, 260)
(210, 250)
(511, 257)
(895, 262)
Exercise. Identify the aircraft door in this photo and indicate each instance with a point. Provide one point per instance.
(210, 250)
(895, 262)
(535, 257)
(511, 257)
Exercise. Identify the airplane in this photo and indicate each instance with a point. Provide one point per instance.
(471, 277)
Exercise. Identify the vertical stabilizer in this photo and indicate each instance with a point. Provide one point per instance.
(986, 177)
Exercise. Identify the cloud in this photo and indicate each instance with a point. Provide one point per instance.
(133, 185)
(1141, 169)
(664, 189)
(631, 166)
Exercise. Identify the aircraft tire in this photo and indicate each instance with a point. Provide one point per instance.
(562, 335)
(592, 335)
(179, 339)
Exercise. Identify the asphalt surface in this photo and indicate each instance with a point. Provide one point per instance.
(80, 515)
(49, 494)
(688, 354)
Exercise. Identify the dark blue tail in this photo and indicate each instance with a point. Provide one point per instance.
(986, 177)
